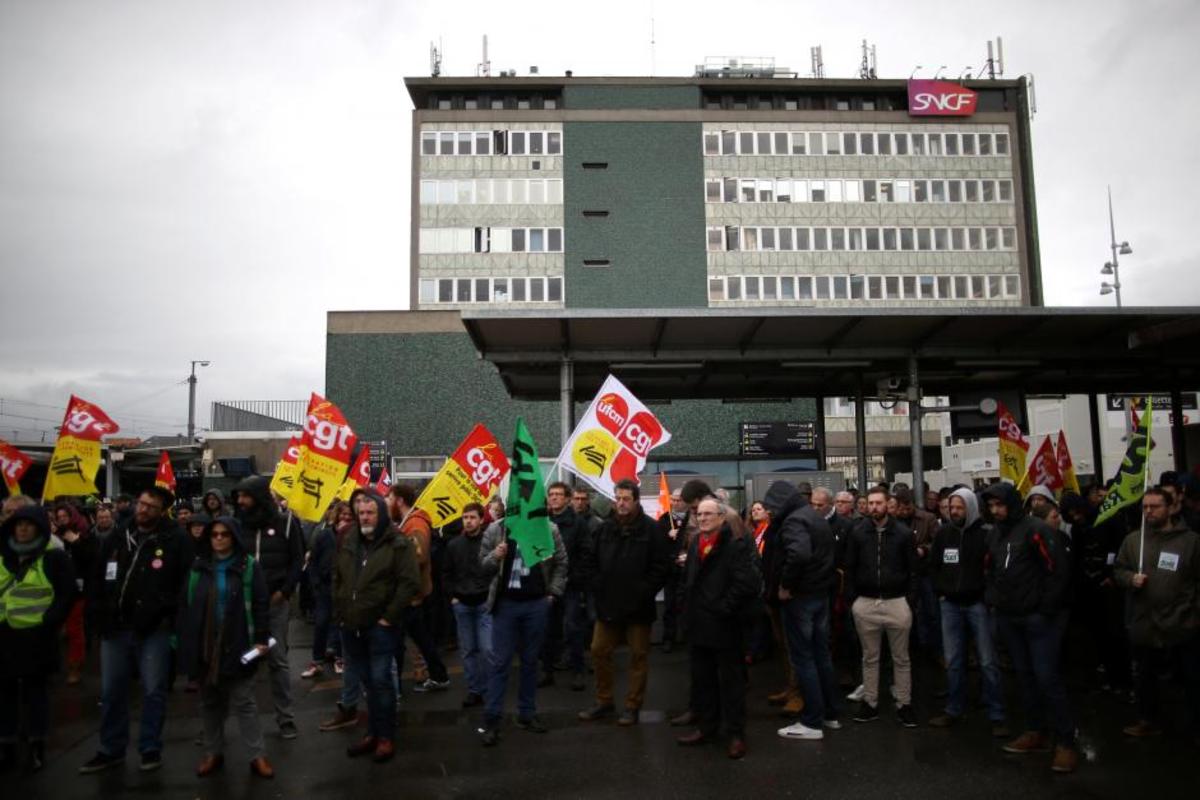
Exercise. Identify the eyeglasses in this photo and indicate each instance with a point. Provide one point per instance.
(221, 534)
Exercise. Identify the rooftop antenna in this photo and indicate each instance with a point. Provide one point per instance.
(484, 69)
(995, 59)
(937, 75)
(913, 74)
(866, 70)
(818, 63)
(435, 60)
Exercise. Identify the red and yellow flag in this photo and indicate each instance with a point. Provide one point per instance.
(1043, 471)
(1014, 446)
(284, 479)
(1066, 467)
(76, 458)
(165, 477)
(472, 474)
(358, 476)
(384, 484)
(664, 495)
(324, 457)
(13, 464)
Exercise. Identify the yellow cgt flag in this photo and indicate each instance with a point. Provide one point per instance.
(284, 479)
(324, 457)
(76, 458)
(1014, 446)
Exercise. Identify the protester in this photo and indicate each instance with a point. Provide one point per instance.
(224, 617)
(213, 504)
(326, 643)
(1029, 572)
(105, 523)
(1161, 573)
(671, 530)
(924, 526)
(276, 541)
(467, 584)
(519, 600)
(75, 532)
(721, 581)
(415, 524)
(132, 603)
(375, 578)
(881, 576)
(627, 567)
(568, 619)
(37, 590)
(772, 562)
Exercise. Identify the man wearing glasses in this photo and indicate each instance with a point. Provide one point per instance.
(139, 575)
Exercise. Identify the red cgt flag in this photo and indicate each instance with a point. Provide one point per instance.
(165, 477)
(13, 464)
(384, 484)
(85, 420)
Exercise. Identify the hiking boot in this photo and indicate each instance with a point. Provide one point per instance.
(1028, 742)
(262, 768)
(343, 718)
(1066, 759)
(866, 712)
(1142, 728)
(385, 749)
(793, 706)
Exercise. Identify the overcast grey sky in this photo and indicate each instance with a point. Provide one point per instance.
(204, 180)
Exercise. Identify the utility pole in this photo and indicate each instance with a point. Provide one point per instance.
(191, 429)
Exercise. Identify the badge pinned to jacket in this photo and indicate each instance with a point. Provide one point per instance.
(156, 564)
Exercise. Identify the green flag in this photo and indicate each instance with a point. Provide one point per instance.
(1129, 485)
(526, 517)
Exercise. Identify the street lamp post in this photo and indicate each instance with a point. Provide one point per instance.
(1113, 267)
(191, 430)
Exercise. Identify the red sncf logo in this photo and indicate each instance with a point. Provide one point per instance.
(940, 98)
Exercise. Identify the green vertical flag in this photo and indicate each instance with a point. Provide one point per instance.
(526, 517)
(1129, 485)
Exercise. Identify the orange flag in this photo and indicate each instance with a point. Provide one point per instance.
(165, 477)
(664, 495)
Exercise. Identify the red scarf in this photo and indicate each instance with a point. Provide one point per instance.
(760, 532)
(707, 542)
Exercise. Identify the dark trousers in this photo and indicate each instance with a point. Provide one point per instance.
(1184, 661)
(1034, 642)
(369, 656)
(1104, 617)
(807, 622)
(576, 628)
(417, 628)
(326, 636)
(30, 694)
(670, 626)
(719, 689)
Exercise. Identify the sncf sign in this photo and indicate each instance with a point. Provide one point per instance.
(940, 99)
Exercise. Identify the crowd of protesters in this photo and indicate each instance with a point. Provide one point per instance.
(849, 588)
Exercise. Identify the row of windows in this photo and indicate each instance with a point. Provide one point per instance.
(487, 143)
(491, 290)
(494, 102)
(865, 287)
(491, 240)
(816, 101)
(868, 143)
(787, 239)
(898, 190)
(485, 191)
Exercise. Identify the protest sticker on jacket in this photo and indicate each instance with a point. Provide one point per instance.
(471, 475)
(284, 479)
(324, 458)
(76, 458)
(13, 465)
(612, 439)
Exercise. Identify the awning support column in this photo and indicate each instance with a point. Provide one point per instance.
(914, 427)
(860, 435)
(1097, 449)
(566, 391)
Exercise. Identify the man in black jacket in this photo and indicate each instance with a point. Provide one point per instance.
(805, 577)
(720, 581)
(1029, 575)
(881, 574)
(956, 566)
(276, 541)
(467, 585)
(627, 568)
(671, 529)
(568, 620)
(134, 590)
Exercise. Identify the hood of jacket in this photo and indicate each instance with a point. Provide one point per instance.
(229, 522)
(782, 498)
(1041, 491)
(384, 523)
(35, 514)
(217, 493)
(972, 503)
(1007, 493)
(258, 488)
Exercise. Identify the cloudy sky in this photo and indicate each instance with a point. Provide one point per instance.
(204, 180)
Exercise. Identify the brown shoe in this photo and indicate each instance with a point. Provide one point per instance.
(384, 750)
(1028, 742)
(364, 746)
(737, 748)
(793, 706)
(683, 720)
(779, 698)
(262, 768)
(1066, 759)
(944, 721)
(691, 739)
(344, 718)
(1141, 728)
(209, 764)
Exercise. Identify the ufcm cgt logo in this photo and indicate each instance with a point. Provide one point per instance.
(940, 98)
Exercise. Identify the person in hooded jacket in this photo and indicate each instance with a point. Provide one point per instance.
(224, 617)
(375, 577)
(213, 504)
(76, 533)
(568, 620)
(956, 566)
(1028, 579)
(276, 540)
(805, 578)
(320, 575)
(37, 588)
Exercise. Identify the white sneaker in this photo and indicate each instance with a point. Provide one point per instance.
(832, 724)
(801, 731)
(858, 694)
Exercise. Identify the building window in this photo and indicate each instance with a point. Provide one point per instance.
(1001, 144)
(1012, 286)
(804, 288)
(716, 289)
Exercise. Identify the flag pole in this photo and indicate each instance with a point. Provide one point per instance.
(1145, 481)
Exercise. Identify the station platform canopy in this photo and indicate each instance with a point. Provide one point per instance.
(780, 353)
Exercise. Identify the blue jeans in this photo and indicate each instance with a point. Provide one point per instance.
(1034, 642)
(326, 635)
(518, 627)
(369, 655)
(117, 655)
(575, 628)
(807, 622)
(959, 621)
(474, 643)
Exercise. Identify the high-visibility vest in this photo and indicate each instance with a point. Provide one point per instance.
(24, 602)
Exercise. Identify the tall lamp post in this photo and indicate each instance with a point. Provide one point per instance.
(1113, 267)
(191, 433)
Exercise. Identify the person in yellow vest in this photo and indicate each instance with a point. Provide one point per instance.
(37, 588)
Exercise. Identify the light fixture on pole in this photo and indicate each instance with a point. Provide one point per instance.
(191, 429)
(1113, 267)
